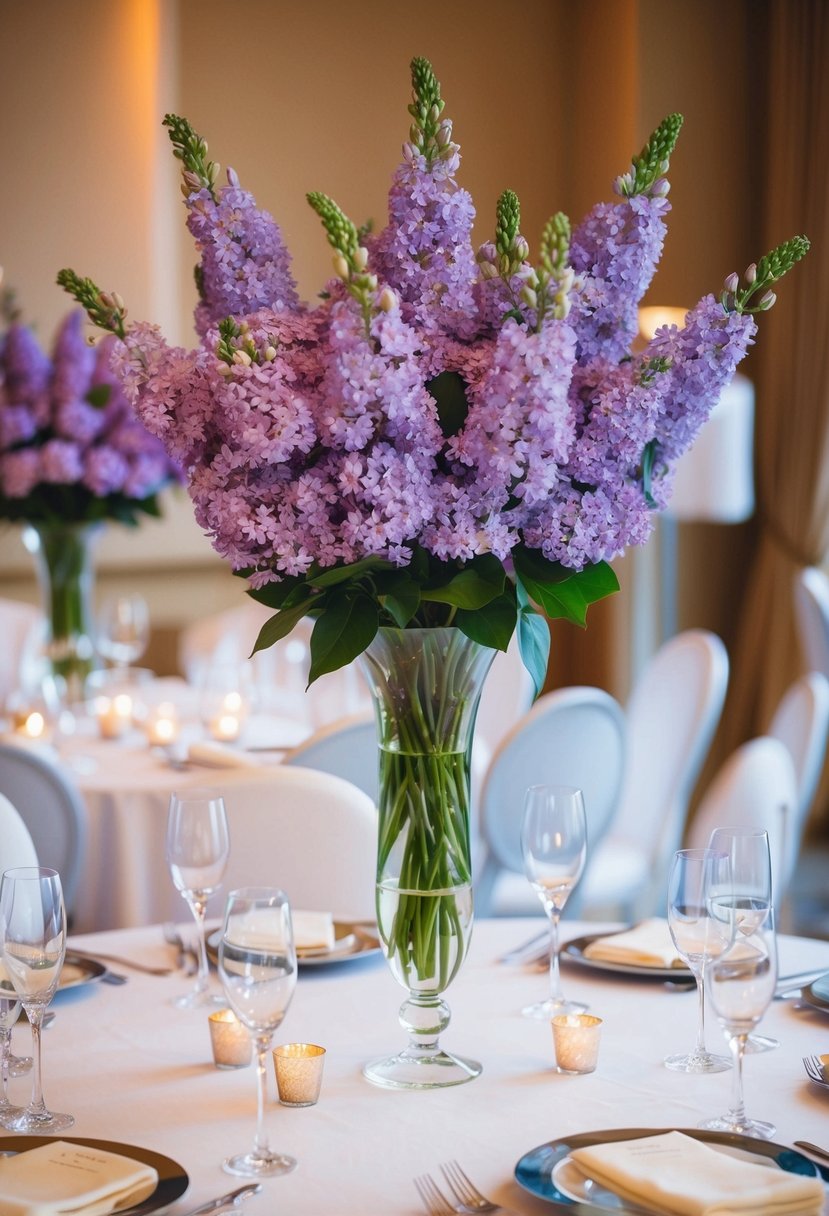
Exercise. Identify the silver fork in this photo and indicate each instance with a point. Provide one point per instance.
(432, 1197)
(814, 1069)
(469, 1198)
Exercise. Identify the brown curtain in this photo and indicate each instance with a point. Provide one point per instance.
(792, 430)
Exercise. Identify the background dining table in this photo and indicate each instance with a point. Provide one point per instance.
(136, 1070)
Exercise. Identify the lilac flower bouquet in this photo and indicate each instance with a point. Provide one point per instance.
(451, 437)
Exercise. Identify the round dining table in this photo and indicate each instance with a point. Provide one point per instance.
(137, 1071)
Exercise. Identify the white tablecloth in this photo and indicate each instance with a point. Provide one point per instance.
(132, 1068)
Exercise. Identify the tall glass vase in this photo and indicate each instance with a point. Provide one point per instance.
(426, 685)
(63, 556)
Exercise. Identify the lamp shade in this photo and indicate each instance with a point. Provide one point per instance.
(715, 479)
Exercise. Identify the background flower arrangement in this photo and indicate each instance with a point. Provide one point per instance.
(449, 437)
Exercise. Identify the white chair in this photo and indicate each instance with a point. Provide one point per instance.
(574, 736)
(671, 716)
(313, 834)
(53, 811)
(801, 722)
(812, 613)
(347, 748)
(755, 787)
(16, 845)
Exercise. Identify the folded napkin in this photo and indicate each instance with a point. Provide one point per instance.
(313, 931)
(648, 944)
(217, 755)
(59, 1179)
(676, 1174)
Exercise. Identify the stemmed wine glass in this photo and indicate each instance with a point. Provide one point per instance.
(750, 855)
(702, 927)
(9, 1009)
(740, 986)
(554, 847)
(33, 937)
(198, 846)
(123, 629)
(257, 966)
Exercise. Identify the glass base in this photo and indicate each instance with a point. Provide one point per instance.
(8, 1114)
(698, 1062)
(38, 1125)
(545, 1010)
(19, 1066)
(259, 1165)
(760, 1042)
(740, 1127)
(201, 998)
(408, 1070)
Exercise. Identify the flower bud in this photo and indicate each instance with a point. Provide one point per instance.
(361, 257)
(414, 134)
(270, 353)
(767, 301)
(732, 282)
(232, 178)
(504, 264)
(387, 300)
(750, 275)
(521, 249)
(444, 134)
(529, 296)
(341, 269)
(241, 356)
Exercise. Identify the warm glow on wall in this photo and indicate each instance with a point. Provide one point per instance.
(655, 315)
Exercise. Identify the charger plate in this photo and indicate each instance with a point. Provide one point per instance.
(172, 1180)
(78, 969)
(817, 994)
(573, 952)
(351, 941)
(538, 1170)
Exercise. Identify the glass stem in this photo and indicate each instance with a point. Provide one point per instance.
(699, 1050)
(5, 1053)
(260, 1143)
(737, 1114)
(555, 975)
(198, 906)
(37, 1106)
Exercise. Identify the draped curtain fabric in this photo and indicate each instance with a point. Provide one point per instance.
(792, 429)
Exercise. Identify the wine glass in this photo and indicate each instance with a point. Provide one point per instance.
(740, 986)
(257, 966)
(750, 855)
(123, 629)
(554, 847)
(198, 846)
(33, 937)
(9, 1009)
(701, 922)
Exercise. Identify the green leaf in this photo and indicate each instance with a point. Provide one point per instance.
(344, 628)
(534, 645)
(341, 574)
(275, 595)
(401, 601)
(280, 625)
(449, 392)
(561, 592)
(492, 625)
(480, 581)
(99, 395)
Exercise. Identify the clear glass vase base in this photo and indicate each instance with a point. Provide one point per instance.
(698, 1063)
(757, 1128)
(259, 1165)
(40, 1124)
(423, 1071)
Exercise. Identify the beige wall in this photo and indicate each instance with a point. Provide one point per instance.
(549, 98)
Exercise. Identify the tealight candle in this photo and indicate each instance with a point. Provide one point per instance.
(31, 725)
(113, 715)
(231, 1042)
(298, 1073)
(162, 725)
(225, 727)
(576, 1041)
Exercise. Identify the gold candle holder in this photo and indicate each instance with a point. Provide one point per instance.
(298, 1073)
(231, 1043)
(576, 1041)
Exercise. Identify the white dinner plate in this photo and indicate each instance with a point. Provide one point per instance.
(172, 1180)
(574, 950)
(547, 1172)
(351, 941)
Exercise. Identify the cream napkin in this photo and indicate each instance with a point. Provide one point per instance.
(313, 931)
(676, 1174)
(648, 944)
(59, 1179)
(216, 755)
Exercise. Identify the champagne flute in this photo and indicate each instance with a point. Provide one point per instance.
(701, 922)
(9, 1009)
(740, 986)
(33, 937)
(257, 966)
(750, 855)
(123, 629)
(198, 846)
(554, 847)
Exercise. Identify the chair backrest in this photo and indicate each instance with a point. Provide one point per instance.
(507, 696)
(53, 811)
(347, 748)
(801, 722)
(574, 736)
(671, 716)
(21, 628)
(16, 845)
(755, 787)
(313, 834)
(812, 612)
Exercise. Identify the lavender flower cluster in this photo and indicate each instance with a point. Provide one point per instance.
(71, 447)
(315, 435)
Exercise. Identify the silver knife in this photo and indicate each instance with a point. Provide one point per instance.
(231, 1200)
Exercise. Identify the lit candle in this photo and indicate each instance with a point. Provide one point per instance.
(113, 715)
(162, 725)
(33, 725)
(225, 727)
(576, 1041)
(231, 1043)
(298, 1073)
